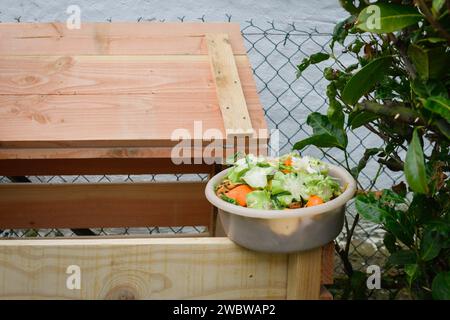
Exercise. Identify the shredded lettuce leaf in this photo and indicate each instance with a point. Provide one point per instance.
(256, 177)
(285, 200)
(281, 181)
(258, 199)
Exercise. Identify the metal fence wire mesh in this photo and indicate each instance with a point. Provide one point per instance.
(274, 51)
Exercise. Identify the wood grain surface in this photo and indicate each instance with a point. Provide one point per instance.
(99, 205)
(114, 38)
(81, 104)
(176, 268)
(118, 84)
(231, 98)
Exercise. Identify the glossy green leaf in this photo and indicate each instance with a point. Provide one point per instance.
(399, 224)
(320, 141)
(441, 230)
(389, 242)
(358, 282)
(312, 59)
(363, 161)
(444, 127)
(340, 30)
(419, 58)
(421, 208)
(425, 89)
(436, 40)
(441, 286)
(429, 61)
(430, 245)
(415, 166)
(439, 105)
(361, 118)
(335, 114)
(369, 209)
(364, 80)
(389, 196)
(325, 135)
(322, 125)
(387, 17)
(402, 257)
(412, 271)
(437, 6)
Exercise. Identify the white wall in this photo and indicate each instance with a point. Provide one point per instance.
(307, 13)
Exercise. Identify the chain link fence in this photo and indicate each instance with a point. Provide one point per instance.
(274, 51)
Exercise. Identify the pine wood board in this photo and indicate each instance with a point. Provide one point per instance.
(228, 86)
(112, 75)
(80, 104)
(113, 38)
(304, 275)
(94, 96)
(109, 205)
(90, 165)
(184, 268)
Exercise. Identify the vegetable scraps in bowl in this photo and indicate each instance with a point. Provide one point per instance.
(286, 182)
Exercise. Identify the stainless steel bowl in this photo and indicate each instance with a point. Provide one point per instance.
(282, 231)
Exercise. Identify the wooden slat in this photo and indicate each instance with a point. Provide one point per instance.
(99, 120)
(113, 38)
(303, 276)
(91, 120)
(96, 166)
(103, 205)
(118, 153)
(193, 268)
(231, 98)
(111, 74)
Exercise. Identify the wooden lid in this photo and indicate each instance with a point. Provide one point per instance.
(121, 85)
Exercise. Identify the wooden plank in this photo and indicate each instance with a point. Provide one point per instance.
(103, 205)
(187, 268)
(105, 120)
(231, 98)
(96, 166)
(328, 263)
(258, 146)
(113, 38)
(109, 74)
(100, 120)
(304, 275)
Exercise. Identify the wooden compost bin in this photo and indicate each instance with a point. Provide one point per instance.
(105, 99)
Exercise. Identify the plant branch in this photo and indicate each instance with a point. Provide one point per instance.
(350, 234)
(402, 50)
(397, 111)
(380, 167)
(348, 268)
(344, 253)
(430, 18)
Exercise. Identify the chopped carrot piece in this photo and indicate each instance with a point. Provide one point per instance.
(314, 201)
(239, 194)
(288, 162)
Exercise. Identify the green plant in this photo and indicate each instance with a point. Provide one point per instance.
(398, 88)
